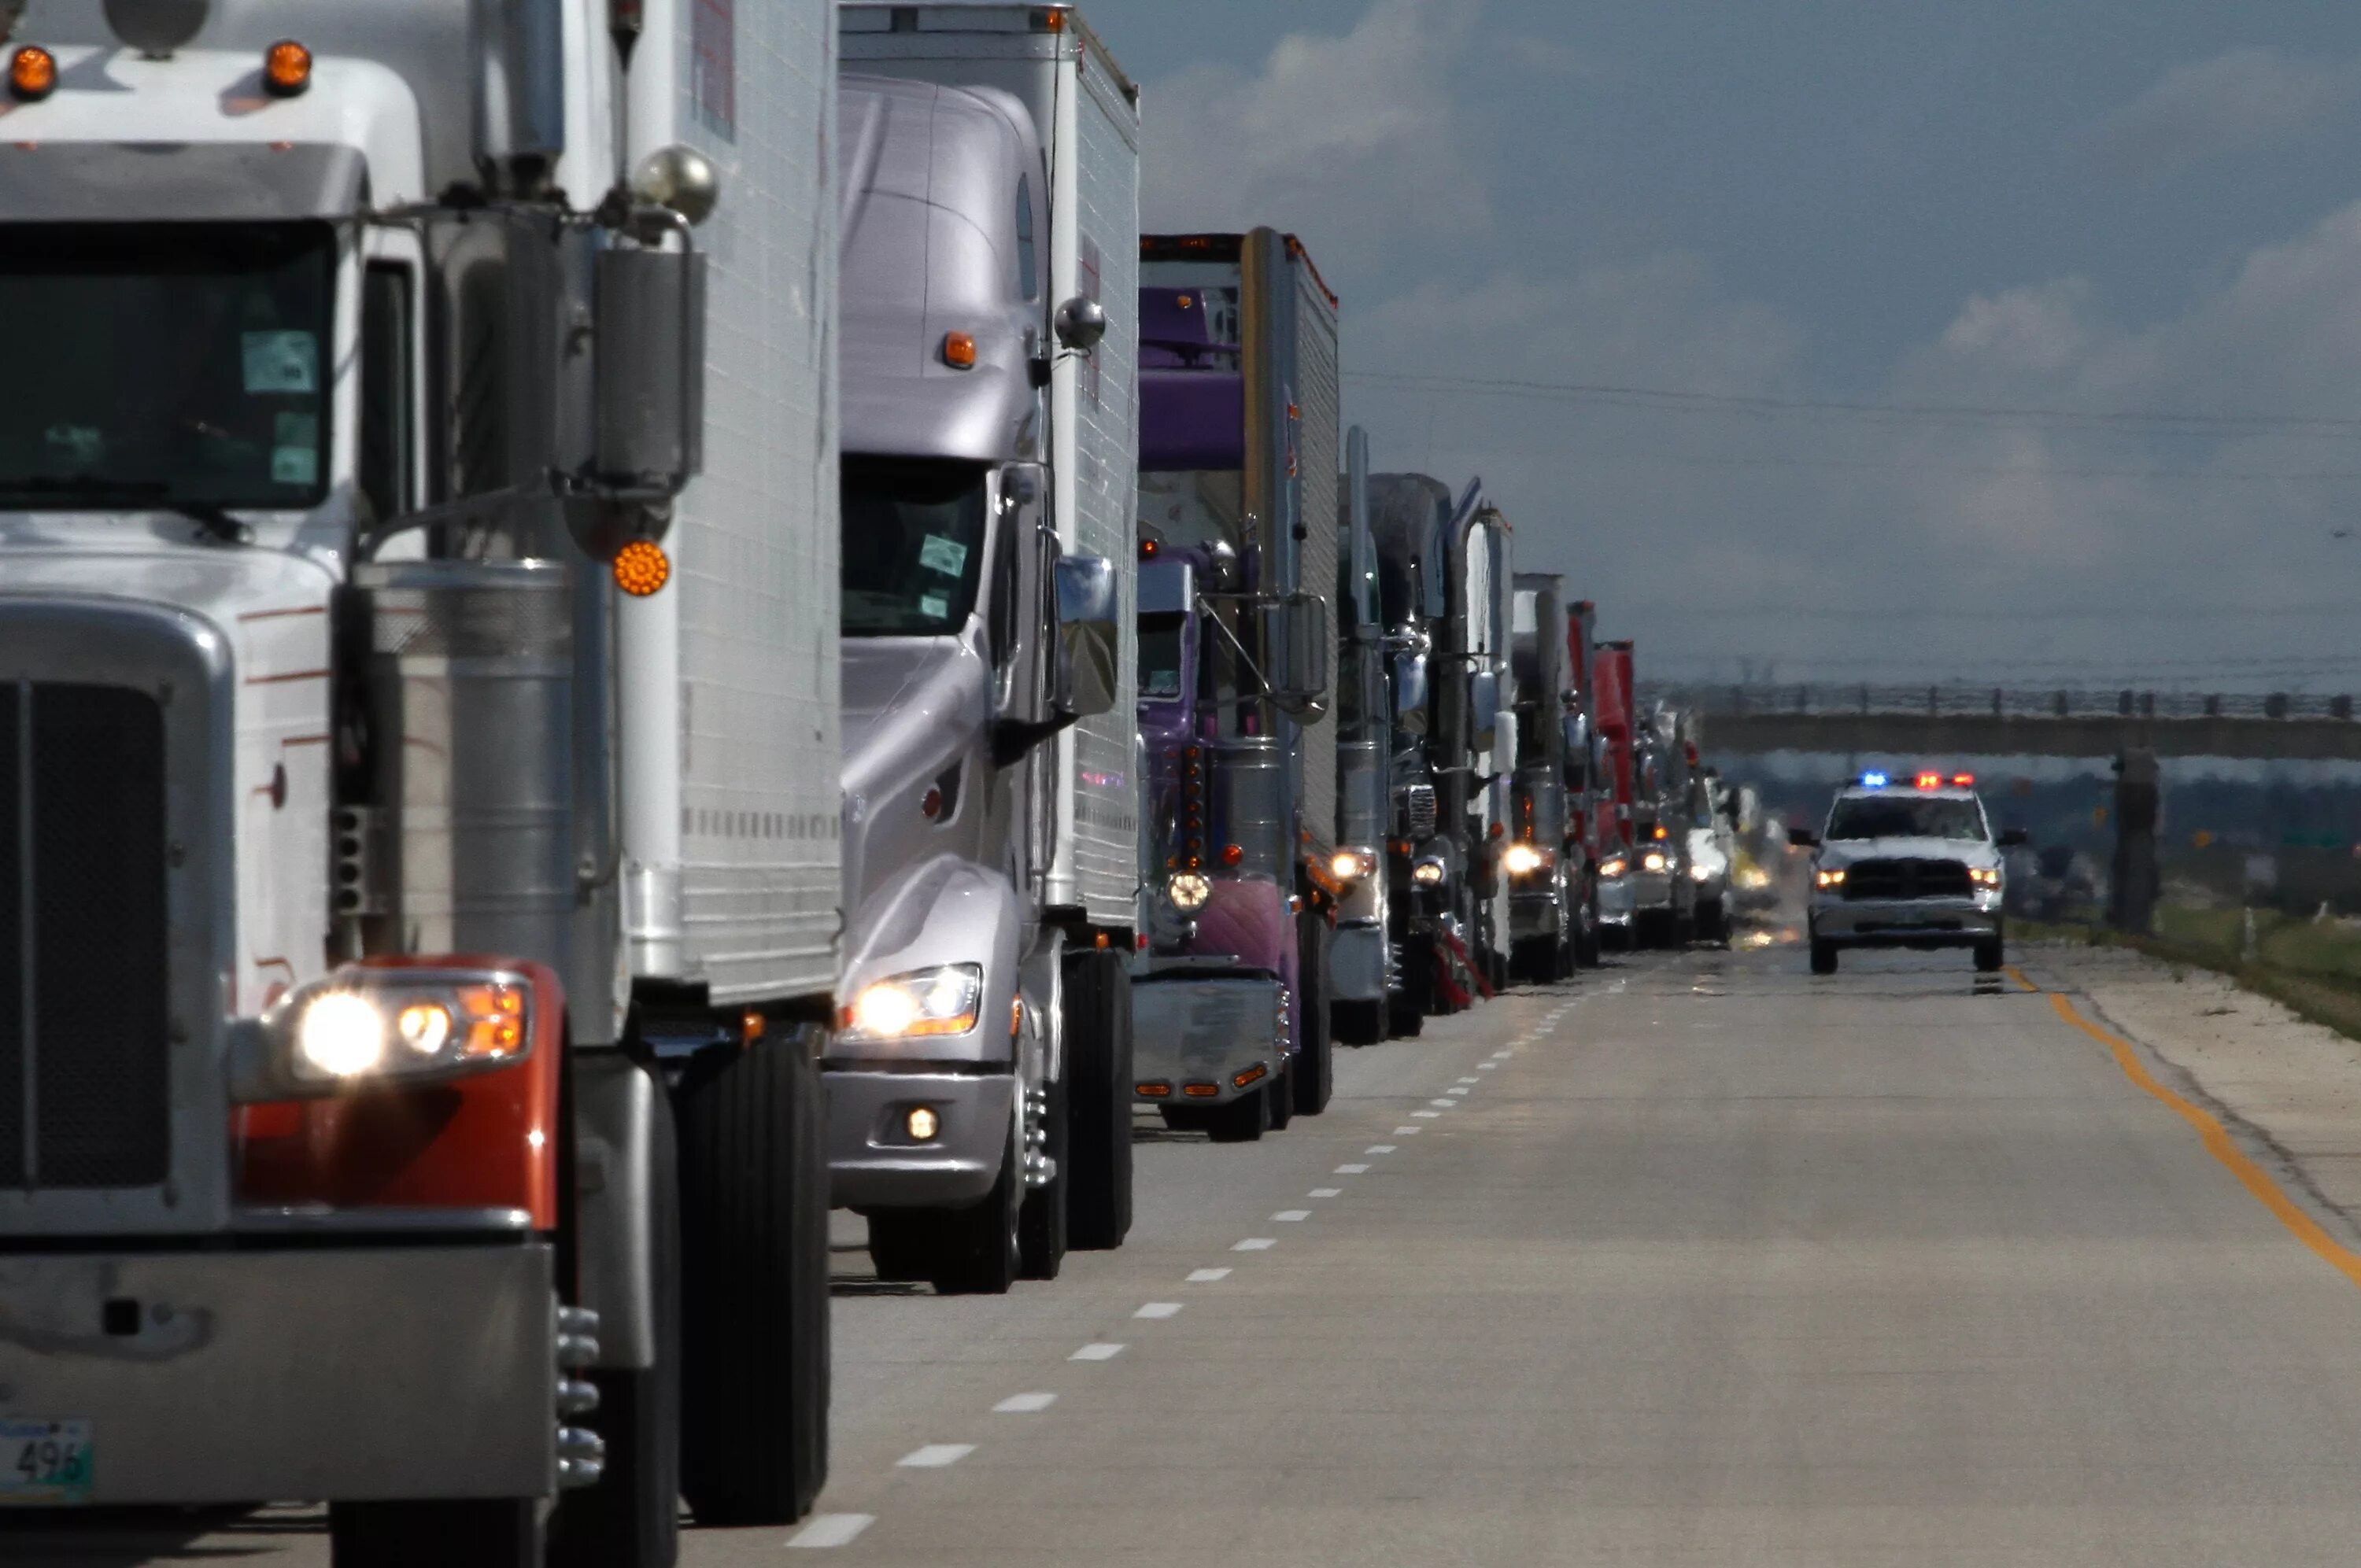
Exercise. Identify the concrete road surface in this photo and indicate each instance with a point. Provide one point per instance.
(1699, 1261)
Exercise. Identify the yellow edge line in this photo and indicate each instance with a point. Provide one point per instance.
(2217, 1142)
(2018, 975)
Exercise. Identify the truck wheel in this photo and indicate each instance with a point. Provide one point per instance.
(1990, 956)
(1405, 1015)
(1824, 956)
(631, 1518)
(1312, 1076)
(1098, 1107)
(980, 1254)
(1280, 1091)
(1356, 1022)
(754, 1191)
(471, 1532)
(902, 1245)
(1530, 959)
(1415, 1000)
(1042, 1219)
(1242, 1121)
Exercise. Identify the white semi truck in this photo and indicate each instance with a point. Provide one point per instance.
(980, 1094)
(419, 851)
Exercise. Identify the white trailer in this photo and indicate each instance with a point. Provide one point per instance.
(417, 632)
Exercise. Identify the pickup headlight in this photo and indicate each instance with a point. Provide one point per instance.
(1985, 876)
(1653, 861)
(366, 1024)
(1613, 866)
(1521, 859)
(940, 1001)
(1700, 871)
(1830, 878)
(1187, 890)
(1427, 873)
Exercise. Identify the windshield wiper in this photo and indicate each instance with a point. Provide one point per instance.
(134, 492)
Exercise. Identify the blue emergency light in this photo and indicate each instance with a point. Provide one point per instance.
(1875, 781)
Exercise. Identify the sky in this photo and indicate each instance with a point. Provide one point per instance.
(2009, 342)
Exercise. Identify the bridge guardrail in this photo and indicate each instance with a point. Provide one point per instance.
(1961, 700)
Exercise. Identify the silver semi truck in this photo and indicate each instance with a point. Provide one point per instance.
(1543, 869)
(980, 1093)
(417, 711)
(1364, 972)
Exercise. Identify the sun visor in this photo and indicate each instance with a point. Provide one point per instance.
(67, 183)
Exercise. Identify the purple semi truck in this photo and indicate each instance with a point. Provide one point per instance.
(1239, 447)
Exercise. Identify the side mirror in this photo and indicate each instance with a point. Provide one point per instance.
(1411, 693)
(648, 322)
(1295, 636)
(2014, 838)
(1090, 643)
(1803, 838)
(1079, 323)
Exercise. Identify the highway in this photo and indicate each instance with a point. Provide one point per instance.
(1699, 1260)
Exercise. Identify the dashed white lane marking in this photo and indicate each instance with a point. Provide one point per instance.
(935, 1455)
(1429, 1116)
(1287, 1216)
(1456, 1089)
(1159, 1310)
(1471, 1080)
(1256, 1243)
(832, 1530)
(1096, 1353)
(1503, 1054)
(1487, 1067)
(1207, 1275)
(1378, 1148)
(1353, 1170)
(1325, 1192)
(1405, 1132)
(1023, 1404)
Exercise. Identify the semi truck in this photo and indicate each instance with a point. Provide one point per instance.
(1364, 972)
(1587, 798)
(1238, 463)
(1542, 863)
(1619, 851)
(980, 1094)
(417, 682)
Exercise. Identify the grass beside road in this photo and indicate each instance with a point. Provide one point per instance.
(2311, 968)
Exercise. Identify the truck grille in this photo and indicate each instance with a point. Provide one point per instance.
(1906, 878)
(1418, 810)
(83, 1019)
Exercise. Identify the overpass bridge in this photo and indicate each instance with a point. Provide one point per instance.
(1969, 720)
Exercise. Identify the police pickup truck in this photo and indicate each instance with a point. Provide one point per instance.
(1906, 864)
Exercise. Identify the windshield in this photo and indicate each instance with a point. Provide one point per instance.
(1160, 655)
(913, 545)
(177, 364)
(1907, 817)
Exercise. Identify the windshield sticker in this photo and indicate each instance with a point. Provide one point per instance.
(281, 362)
(948, 556)
(935, 605)
(294, 466)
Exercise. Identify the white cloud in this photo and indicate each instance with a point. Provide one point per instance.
(2237, 101)
(1348, 140)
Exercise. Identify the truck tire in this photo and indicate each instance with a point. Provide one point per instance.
(1407, 1007)
(1824, 956)
(1311, 1078)
(631, 1518)
(1586, 930)
(979, 1251)
(1990, 955)
(1533, 960)
(1356, 1022)
(1242, 1121)
(1041, 1233)
(754, 1295)
(1279, 1090)
(468, 1532)
(1098, 1105)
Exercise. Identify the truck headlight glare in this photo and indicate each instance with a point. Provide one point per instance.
(1522, 860)
(1613, 866)
(1350, 865)
(1427, 873)
(1653, 861)
(941, 1001)
(1985, 876)
(1187, 890)
(366, 1024)
(1833, 877)
(342, 1034)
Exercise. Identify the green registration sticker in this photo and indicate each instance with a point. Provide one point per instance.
(43, 1461)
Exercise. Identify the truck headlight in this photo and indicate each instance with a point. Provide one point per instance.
(1351, 865)
(1833, 877)
(940, 1001)
(1984, 876)
(1188, 890)
(1613, 866)
(1703, 872)
(1427, 873)
(1653, 861)
(1521, 859)
(366, 1024)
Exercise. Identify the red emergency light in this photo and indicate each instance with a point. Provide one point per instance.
(1963, 781)
(1930, 781)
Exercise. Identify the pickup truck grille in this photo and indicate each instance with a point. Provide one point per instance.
(1906, 878)
(83, 1019)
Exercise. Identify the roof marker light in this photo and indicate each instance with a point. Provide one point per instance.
(1875, 781)
(287, 69)
(1963, 781)
(32, 73)
(642, 567)
(959, 350)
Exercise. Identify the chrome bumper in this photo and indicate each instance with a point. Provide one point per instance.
(1356, 963)
(1538, 913)
(1907, 921)
(1208, 1032)
(338, 1374)
(873, 1163)
(1616, 901)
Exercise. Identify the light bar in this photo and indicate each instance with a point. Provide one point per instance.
(1875, 781)
(1930, 781)
(1963, 781)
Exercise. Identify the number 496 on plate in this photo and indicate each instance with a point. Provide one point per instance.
(43, 1461)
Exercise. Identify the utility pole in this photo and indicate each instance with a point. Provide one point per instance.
(2131, 900)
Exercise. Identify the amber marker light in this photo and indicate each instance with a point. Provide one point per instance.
(959, 350)
(642, 567)
(286, 69)
(32, 74)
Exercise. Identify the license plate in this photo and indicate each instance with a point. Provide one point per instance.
(43, 1461)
